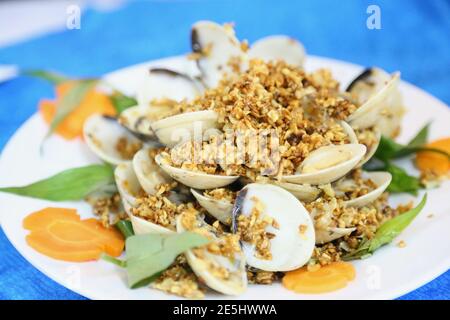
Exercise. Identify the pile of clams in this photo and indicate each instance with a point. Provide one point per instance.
(283, 199)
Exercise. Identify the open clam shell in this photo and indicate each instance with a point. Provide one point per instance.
(219, 209)
(217, 46)
(373, 90)
(302, 192)
(129, 189)
(204, 264)
(278, 47)
(138, 119)
(194, 179)
(183, 127)
(372, 147)
(381, 179)
(161, 83)
(331, 233)
(293, 241)
(102, 135)
(148, 172)
(327, 164)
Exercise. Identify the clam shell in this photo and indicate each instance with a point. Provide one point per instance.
(278, 47)
(290, 248)
(302, 192)
(101, 135)
(219, 209)
(148, 172)
(330, 173)
(216, 45)
(162, 83)
(195, 179)
(138, 119)
(381, 178)
(234, 285)
(374, 101)
(185, 126)
(129, 187)
(324, 236)
(371, 149)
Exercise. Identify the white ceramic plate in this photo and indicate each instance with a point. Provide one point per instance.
(390, 273)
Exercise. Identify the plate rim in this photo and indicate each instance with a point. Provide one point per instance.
(420, 281)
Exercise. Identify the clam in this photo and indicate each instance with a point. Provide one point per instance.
(219, 209)
(293, 241)
(138, 119)
(381, 179)
(102, 134)
(324, 229)
(374, 88)
(278, 47)
(349, 131)
(208, 266)
(129, 189)
(216, 46)
(327, 164)
(148, 173)
(194, 179)
(331, 233)
(161, 83)
(303, 192)
(185, 126)
(372, 147)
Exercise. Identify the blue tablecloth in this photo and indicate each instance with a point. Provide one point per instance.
(414, 38)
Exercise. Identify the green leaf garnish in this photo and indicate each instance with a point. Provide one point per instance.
(148, 255)
(70, 101)
(121, 101)
(72, 184)
(52, 77)
(125, 227)
(388, 149)
(386, 232)
(401, 180)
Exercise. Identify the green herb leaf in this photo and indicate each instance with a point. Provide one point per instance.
(388, 149)
(386, 232)
(121, 101)
(421, 137)
(401, 180)
(52, 77)
(117, 262)
(72, 184)
(70, 101)
(148, 255)
(125, 227)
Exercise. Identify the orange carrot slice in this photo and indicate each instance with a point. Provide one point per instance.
(432, 161)
(326, 279)
(72, 126)
(61, 234)
(40, 219)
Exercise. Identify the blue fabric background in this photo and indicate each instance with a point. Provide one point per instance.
(414, 39)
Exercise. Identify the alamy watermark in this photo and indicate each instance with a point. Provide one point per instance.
(373, 21)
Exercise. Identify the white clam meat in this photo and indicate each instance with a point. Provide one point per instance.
(294, 237)
(217, 45)
(194, 179)
(219, 209)
(185, 126)
(327, 164)
(102, 134)
(278, 47)
(129, 189)
(204, 264)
